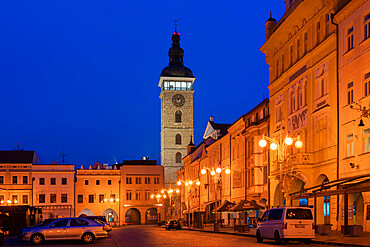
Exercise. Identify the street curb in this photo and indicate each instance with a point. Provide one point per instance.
(253, 236)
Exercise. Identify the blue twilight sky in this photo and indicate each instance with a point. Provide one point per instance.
(82, 76)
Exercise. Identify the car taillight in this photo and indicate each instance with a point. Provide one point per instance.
(313, 226)
(285, 225)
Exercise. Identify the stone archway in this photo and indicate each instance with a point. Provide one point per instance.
(151, 216)
(277, 195)
(133, 216)
(86, 212)
(110, 215)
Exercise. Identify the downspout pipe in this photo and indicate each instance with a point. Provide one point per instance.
(337, 74)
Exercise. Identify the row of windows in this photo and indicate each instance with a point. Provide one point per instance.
(177, 85)
(147, 180)
(14, 199)
(366, 89)
(53, 181)
(97, 182)
(365, 143)
(53, 198)
(366, 34)
(147, 194)
(15, 180)
(102, 199)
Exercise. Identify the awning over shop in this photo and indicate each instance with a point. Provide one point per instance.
(246, 205)
(210, 202)
(225, 207)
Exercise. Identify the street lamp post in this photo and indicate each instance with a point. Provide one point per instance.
(216, 173)
(170, 192)
(187, 183)
(158, 198)
(282, 155)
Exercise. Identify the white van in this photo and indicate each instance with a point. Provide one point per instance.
(287, 223)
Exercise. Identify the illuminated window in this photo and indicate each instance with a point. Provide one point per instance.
(178, 116)
(14, 198)
(367, 140)
(178, 139)
(350, 145)
(350, 39)
(177, 85)
(178, 157)
(367, 27)
(367, 84)
(326, 205)
(350, 93)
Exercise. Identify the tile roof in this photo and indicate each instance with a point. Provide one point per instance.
(20, 157)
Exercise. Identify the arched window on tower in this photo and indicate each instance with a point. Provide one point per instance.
(178, 116)
(178, 139)
(178, 157)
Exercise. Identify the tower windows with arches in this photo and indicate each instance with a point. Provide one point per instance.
(178, 115)
(178, 139)
(178, 157)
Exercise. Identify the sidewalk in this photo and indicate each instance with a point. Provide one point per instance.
(335, 239)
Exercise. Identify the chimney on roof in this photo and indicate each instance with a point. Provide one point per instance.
(211, 118)
(190, 147)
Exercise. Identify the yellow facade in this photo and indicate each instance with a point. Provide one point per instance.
(354, 80)
(96, 193)
(238, 151)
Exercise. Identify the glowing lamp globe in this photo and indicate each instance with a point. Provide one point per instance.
(9, 201)
(177, 191)
(213, 173)
(262, 143)
(179, 183)
(162, 191)
(105, 199)
(111, 199)
(164, 196)
(218, 170)
(152, 196)
(186, 183)
(203, 171)
(298, 144)
(190, 182)
(288, 141)
(198, 183)
(170, 191)
(117, 200)
(158, 196)
(273, 146)
(227, 171)
(2, 201)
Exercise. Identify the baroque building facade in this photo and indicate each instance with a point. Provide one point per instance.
(176, 83)
(353, 22)
(235, 148)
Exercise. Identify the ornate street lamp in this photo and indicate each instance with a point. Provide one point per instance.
(282, 155)
(217, 179)
(158, 198)
(170, 192)
(187, 183)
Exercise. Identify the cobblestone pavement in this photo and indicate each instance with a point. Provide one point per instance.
(138, 236)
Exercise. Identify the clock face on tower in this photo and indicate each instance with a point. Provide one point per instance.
(178, 100)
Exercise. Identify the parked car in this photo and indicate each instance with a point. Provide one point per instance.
(100, 219)
(65, 229)
(43, 223)
(284, 224)
(173, 224)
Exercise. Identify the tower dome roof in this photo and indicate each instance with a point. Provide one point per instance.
(176, 66)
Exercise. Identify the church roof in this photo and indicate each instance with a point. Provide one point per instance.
(97, 165)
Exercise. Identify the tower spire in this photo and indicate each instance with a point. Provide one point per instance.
(175, 26)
